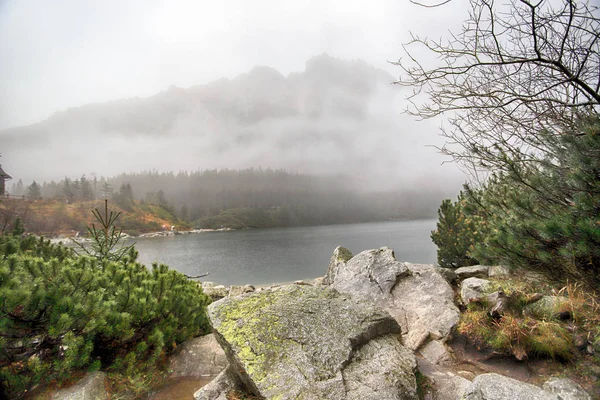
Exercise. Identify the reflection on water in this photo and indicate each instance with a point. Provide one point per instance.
(264, 256)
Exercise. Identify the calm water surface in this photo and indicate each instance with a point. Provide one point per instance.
(265, 256)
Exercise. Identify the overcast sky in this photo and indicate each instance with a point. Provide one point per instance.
(65, 53)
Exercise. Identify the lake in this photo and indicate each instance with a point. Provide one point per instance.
(265, 256)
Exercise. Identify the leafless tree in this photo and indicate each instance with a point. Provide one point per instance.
(514, 70)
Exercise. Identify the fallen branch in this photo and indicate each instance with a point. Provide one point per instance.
(197, 277)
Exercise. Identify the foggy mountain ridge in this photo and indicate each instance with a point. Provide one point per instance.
(336, 117)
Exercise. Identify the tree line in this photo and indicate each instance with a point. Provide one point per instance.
(243, 198)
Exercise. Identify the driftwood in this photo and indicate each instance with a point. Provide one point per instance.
(198, 276)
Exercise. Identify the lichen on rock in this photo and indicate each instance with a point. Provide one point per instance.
(305, 342)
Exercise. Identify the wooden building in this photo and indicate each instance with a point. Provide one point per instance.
(3, 178)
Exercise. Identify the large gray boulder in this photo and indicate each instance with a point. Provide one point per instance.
(91, 387)
(416, 295)
(423, 304)
(499, 387)
(307, 342)
(197, 357)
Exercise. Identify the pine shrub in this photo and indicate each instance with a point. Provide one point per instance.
(61, 313)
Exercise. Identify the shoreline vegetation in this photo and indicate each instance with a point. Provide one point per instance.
(211, 199)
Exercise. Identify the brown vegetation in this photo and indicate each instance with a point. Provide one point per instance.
(51, 218)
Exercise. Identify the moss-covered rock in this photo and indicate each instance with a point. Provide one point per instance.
(339, 258)
(305, 342)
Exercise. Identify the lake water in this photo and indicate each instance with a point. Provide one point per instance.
(265, 256)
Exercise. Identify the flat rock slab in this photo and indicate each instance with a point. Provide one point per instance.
(306, 342)
(197, 357)
(498, 387)
(475, 271)
(91, 387)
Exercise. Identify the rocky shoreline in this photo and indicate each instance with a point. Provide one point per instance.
(70, 239)
(371, 328)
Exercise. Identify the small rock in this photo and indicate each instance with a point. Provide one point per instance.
(473, 288)
(236, 290)
(498, 387)
(301, 282)
(566, 389)
(198, 357)
(498, 270)
(436, 352)
(91, 387)
(320, 281)
(215, 292)
(466, 374)
(475, 271)
(217, 389)
(444, 384)
(546, 307)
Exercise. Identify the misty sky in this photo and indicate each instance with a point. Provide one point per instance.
(60, 54)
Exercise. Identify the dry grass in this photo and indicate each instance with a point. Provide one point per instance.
(525, 334)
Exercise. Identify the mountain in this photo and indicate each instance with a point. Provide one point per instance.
(336, 117)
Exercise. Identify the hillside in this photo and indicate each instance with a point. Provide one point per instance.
(53, 217)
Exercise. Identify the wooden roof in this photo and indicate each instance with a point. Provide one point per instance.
(4, 175)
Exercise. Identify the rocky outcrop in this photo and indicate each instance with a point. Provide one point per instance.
(201, 356)
(416, 295)
(91, 387)
(306, 342)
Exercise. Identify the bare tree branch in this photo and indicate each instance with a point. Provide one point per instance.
(514, 70)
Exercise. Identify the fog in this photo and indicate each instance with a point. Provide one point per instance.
(106, 88)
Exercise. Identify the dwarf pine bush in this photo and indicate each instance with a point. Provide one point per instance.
(61, 313)
(541, 215)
